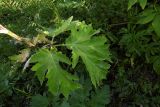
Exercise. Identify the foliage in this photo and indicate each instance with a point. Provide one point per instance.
(80, 37)
(70, 63)
(141, 2)
(39, 100)
(91, 49)
(151, 15)
(59, 81)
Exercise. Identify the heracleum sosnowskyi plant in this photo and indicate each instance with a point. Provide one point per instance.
(83, 44)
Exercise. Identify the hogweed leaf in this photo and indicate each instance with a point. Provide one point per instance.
(92, 50)
(61, 29)
(47, 65)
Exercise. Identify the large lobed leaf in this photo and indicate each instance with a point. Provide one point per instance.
(92, 50)
(59, 80)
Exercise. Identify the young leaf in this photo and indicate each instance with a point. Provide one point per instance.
(143, 3)
(131, 3)
(156, 25)
(92, 50)
(64, 27)
(59, 80)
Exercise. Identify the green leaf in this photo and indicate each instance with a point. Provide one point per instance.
(39, 101)
(61, 29)
(80, 97)
(143, 3)
(65, 104)
(147, 16)
(92, 50)
(156, 25)
(59, 80)
(131, 3)
(101, 98)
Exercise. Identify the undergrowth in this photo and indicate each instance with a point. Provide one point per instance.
(80, 53)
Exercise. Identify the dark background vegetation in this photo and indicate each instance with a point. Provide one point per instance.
(132, 80)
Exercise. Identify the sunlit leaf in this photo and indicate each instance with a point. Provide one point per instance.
(59, 80)
(93, 51)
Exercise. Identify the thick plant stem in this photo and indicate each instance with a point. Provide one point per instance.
(13, 35)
